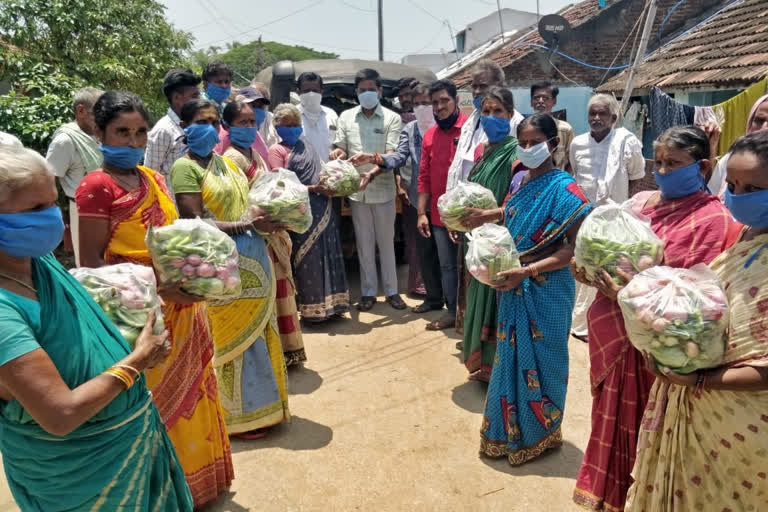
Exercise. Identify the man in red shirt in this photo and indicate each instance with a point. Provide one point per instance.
(438, 149)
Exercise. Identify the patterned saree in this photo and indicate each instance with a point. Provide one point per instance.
(184, 387)
(526, 395)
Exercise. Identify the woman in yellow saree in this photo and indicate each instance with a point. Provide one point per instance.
(240, 123)
(703, 443)
(117, 204)
(248, 354)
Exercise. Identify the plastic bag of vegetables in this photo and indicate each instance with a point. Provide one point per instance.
(198, 255)
(490, 250)
(453, 204)
(340, 177)
(127, 293)
(680, 316)
(612, 237)
(281, 195)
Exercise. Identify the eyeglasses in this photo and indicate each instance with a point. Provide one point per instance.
(542, 97)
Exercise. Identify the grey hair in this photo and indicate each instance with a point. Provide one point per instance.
(491, 67)
(691, 139)
(18, 167)
(87, 96)
(286, 112)
(604, 100)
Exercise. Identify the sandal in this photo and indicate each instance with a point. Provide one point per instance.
(424, 307)
(366, 303)
(446, 322)
(259, 433)
(396, 302)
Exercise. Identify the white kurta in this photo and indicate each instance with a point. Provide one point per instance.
(319, 129)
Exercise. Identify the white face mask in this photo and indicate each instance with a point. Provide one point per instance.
(425, 118)
(311, 101)
(534, 156)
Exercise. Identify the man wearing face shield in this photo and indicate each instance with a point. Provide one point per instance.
(319, 122)
(606, 161)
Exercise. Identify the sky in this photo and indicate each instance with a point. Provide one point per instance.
(345, 27)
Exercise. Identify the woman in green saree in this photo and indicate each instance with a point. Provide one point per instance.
(477, 308)
(70, 385)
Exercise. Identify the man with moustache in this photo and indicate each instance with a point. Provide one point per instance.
(607, 164)
(543, 100)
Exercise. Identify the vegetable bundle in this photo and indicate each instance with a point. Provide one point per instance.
(340, 177)
(281, 195)
(612, 237)
(453, 204)
(680, 316)
(198, 255)
(491, 250)
(127, 293)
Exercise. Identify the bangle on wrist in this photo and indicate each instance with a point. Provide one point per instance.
(121, 375)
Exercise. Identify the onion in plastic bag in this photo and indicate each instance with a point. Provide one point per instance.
(453, 204)
(680, 316)
(490, 250)
(282, 196)
(340, 177)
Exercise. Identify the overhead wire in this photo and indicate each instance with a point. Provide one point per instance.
(636, 30)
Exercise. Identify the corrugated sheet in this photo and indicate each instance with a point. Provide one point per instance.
(728, 50)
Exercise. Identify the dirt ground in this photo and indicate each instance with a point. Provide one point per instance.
(384, 419)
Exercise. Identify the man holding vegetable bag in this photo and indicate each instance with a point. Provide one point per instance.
(372, 129)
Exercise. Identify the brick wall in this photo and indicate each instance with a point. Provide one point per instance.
(598, 41)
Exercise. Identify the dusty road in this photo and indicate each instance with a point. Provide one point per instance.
(385, 420)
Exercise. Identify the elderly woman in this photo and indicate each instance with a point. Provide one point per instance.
(71, 387)
(702, 442)
(116, 204)
(321, 279)
(248, 356)
(493, 170)
(695, 227)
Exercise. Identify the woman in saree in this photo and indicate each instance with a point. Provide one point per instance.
(248, 355)
(695, 227)
(702, 441)
(117, 204)
(240, 124)
(321, 279)
(477, 302)
(71, 385)
(526, 395)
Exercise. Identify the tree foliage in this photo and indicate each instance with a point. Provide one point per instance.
(49, 48)
(248, 59)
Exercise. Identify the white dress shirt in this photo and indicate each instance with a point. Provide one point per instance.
(319, 129)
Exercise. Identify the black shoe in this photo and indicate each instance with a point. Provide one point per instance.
(396, 302)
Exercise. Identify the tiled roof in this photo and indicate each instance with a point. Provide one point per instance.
(576, 14)
(730, 49)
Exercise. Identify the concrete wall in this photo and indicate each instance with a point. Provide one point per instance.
(573, 99)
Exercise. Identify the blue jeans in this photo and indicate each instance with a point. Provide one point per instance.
(447, 253)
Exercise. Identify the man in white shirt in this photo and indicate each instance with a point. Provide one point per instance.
(319, 122)
(607, 164)
(74, 152)
(166, 139)
(267, 128)
(485, 74)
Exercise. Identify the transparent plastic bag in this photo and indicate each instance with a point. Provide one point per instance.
(127, 293)
(453, 204)
(340, 177)
(281, 195)
(613, 236)
(680, 316)
(198, 255)
(490, 250)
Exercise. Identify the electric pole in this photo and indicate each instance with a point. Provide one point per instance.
(381, 30)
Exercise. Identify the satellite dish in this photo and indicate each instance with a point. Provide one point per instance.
(555, 30)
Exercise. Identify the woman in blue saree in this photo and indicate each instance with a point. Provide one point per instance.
(526, 394)
(78, 428)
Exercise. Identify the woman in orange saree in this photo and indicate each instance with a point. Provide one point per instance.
(117, 205)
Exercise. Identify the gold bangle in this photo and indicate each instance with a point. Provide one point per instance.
(130, 368)
(121, 375)
(118, 377)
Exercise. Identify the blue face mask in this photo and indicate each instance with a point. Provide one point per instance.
(261, 115)
(751, 209)
(242, 136)
(680, 182)
(201, 138)
(218, 94)
(289, 134)
(368, 99)
(478, 103)
(122, 157)
(31, 234)
(496, 128)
